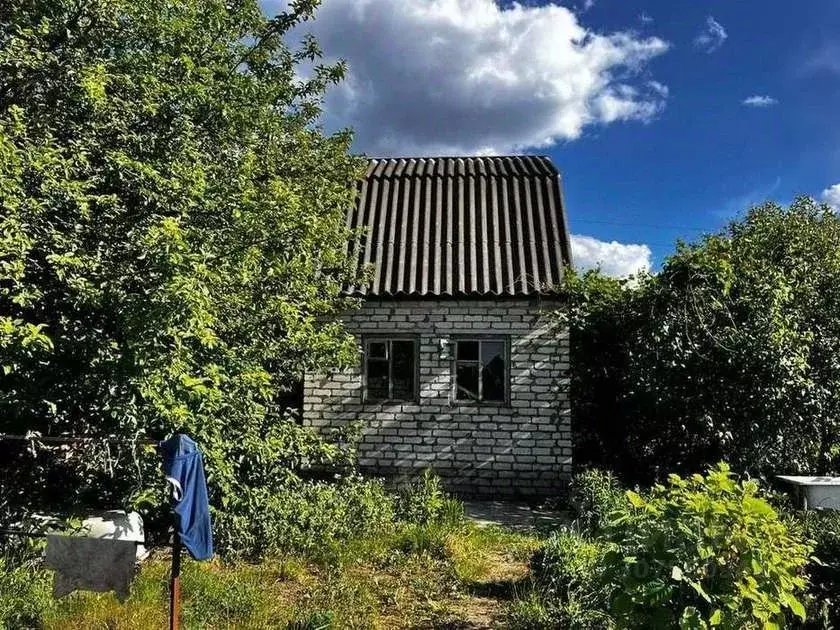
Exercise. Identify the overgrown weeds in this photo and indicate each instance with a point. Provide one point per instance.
(378, 582)
(358, 557)
(701, 552)
(24, 593)
(823, 527)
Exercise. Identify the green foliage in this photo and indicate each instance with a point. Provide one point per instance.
(424, 500)
(532, 612)
(378, 584)
(568, 587)
(594, 495)
(317, 518)
(823, 528)
(429, 540)
(566, 562)
(25, 594)
(704, 552)
(323, 519)
(218, 599)
(172, 237)
(567, 574)
(729, 353)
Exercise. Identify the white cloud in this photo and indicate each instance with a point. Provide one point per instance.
(644, 18)
(659, 88)
(711, 37)
(468, 76)
(759, 100)
(613, 258)
(823, 58)
(831, 196)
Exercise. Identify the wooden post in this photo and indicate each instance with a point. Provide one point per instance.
(175, 584)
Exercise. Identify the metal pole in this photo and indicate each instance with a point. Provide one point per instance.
(175, 584)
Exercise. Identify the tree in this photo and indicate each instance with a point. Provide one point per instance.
(731, 352)
(172, 237)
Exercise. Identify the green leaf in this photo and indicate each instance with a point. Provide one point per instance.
(691, 619)
(795, 606)
(635, 500)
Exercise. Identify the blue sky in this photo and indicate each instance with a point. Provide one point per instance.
(667, 118)
(707, 157)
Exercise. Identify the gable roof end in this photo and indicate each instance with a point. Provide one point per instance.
(460, 227)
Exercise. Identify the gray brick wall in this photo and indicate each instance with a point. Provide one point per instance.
(519, 448)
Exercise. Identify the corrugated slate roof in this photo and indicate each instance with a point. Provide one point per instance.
(471, 226)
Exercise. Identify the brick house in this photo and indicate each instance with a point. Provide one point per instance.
(461, 367)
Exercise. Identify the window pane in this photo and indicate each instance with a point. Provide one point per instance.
(493, 379)
(377, 379)
(402, 369)
(466, 381)
(492, 349)
(376, 350)
(467, 350)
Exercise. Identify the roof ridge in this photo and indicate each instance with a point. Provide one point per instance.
(517, 166)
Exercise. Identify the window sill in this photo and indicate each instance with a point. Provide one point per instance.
(389, 403)
(476, 404)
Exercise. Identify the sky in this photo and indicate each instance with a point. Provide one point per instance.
(666, 118)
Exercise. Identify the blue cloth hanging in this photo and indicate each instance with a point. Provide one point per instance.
(183, 465)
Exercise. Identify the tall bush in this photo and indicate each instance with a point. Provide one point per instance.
(729, 352)
(171, 238)
(702, 552)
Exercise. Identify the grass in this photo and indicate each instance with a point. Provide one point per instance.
(428, 576)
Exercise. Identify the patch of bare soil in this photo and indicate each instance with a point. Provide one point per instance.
(483, 605)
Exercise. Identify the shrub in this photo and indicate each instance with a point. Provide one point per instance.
(172, 259)
(594, 495)
(429, 540)
(823, 527)
(307, 517)
(319, 517)
(535, 612)
(567, 574)
(424, 501)
(738, 330)
(700, 552)
(566, 562)
(25, 594)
